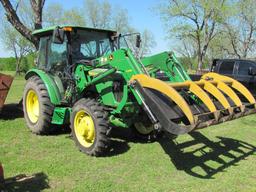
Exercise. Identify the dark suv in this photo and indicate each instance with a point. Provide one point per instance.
(242, 70)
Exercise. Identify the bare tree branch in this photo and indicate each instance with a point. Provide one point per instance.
(13, 18)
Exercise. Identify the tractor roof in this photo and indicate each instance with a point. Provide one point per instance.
(48, 30)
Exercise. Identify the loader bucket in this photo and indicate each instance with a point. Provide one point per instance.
(5, 84)
(185, 106)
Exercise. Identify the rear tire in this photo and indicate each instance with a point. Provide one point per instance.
(37, 107)
(90, 127)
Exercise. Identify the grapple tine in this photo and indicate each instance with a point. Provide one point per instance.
(229, 92)
(201, 94)
(214, 91)
(171, 93)
(200, 118)
(234, 84)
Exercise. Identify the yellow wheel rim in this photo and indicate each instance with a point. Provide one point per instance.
(84, 128)
(32, 106)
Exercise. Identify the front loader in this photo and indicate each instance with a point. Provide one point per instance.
(90, 79)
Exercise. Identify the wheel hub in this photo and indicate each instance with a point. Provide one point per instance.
(84, 128)
(32, 106)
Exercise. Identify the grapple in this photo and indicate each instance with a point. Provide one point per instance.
(181, 107)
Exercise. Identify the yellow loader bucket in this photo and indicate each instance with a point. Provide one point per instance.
(185, 106)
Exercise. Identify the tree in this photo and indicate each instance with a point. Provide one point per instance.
(74, 16)
(98, 14)
(188, 52)
(147, 43)
(240, 29)
(54, 14)
(120, 20)
(196, 20)
(15, 42)
(15, 20)
(104, 15)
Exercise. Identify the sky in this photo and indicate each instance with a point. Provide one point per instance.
(142, 16)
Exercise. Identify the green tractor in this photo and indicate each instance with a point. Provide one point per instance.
(90, 79)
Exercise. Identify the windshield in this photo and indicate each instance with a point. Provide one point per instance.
(123, 43)
(88, 45)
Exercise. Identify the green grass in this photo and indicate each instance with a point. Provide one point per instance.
(15, 93)
(219, 158)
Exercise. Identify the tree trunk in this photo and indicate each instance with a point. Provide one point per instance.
(200, 63)
(37, 7)
(18, 62)
(14, 19)
(17, 70)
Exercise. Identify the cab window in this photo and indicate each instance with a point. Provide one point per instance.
(58, 56)
(87, 45)
(42, 53)
(227, 67)
(88, 50)
(244, 67)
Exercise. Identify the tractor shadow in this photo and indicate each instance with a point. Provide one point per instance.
(117, 147)
(11, 112)
(120, 139)
(204, 158)
(34, 183)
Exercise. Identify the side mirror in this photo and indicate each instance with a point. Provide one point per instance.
(138, 41)
(252, 71)
(58, 36)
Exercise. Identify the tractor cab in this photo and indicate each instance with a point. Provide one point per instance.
(61, 47)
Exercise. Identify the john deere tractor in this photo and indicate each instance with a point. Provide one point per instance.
(90, 79)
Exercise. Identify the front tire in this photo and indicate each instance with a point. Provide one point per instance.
(144, 131)
(37, 106)
(89, 127)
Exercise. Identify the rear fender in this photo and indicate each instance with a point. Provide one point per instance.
(55, 91)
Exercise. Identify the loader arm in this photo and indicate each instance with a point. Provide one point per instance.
(176, 104)
(167, 63)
